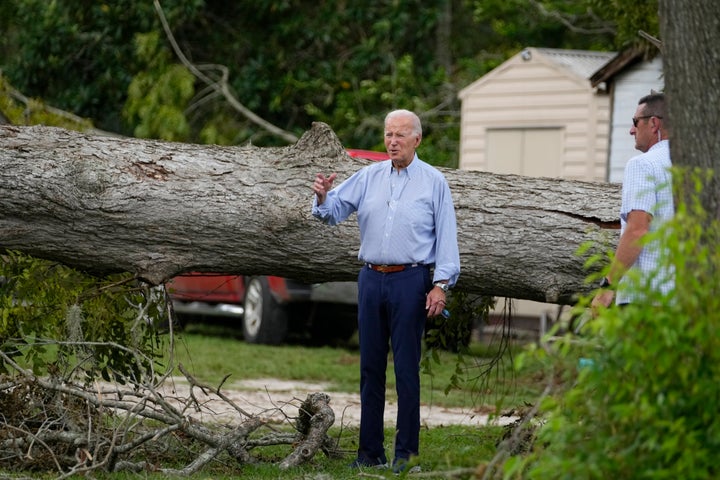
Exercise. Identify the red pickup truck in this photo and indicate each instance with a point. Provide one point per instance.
(271, 307)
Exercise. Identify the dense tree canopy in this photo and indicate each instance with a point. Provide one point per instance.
(290, 62)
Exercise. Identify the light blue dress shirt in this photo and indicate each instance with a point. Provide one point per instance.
(404, 218)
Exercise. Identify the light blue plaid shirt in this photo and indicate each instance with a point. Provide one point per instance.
(404, 218)
(647, 186)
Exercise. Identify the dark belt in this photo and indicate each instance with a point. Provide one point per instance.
(392, 268)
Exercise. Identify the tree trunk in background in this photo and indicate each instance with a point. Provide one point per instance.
(691, 60)
(158, 209)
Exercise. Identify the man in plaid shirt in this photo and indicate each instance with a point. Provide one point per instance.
(647, 202)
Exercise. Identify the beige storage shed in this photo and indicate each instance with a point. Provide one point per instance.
(538, 115)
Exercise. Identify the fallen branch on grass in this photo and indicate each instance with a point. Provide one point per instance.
(56, 424)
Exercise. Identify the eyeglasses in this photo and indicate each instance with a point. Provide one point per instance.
(636, 119)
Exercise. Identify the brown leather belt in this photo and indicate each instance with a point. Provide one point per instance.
(391, 268)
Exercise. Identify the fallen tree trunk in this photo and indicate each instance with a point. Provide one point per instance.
(158, 209)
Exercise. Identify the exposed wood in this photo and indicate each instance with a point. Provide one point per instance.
(314, 420)
(157, 209)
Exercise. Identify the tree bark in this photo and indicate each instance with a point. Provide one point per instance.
(314, 420)
(158, 209)
(690, 35)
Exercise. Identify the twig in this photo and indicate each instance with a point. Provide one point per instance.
(74, 417)
(655, 41)
(316, 417)
(220, 86)
(216, 391)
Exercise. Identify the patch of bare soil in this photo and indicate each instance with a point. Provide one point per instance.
(277, 400)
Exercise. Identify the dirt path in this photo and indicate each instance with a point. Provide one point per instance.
(278, 400)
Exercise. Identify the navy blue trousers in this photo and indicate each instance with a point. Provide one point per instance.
(391, 312)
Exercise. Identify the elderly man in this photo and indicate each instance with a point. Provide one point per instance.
(408, 246)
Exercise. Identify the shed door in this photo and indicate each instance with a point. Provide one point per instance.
(533, 152)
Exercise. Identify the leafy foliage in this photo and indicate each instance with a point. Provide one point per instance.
(646, 406)
(157, 96)
(516, 24)
(56, 320)
(454, 334)
(291, 62)
(19, 110)
(359, 124)
(79, 54)
(629, 18)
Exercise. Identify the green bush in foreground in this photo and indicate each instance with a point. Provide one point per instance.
(59, 321)
(646, 407)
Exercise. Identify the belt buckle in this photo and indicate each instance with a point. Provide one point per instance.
(387, 268)
(393, 268)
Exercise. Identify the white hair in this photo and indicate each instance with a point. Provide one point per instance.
(416, 125)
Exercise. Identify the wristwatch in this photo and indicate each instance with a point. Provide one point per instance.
(443, 286)
(604, 283)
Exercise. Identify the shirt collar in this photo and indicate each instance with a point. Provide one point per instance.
(661, 143)
(410, 169)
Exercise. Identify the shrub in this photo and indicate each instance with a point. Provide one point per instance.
(647, 406)
(57, 320)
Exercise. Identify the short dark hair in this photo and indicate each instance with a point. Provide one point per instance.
(654, 105)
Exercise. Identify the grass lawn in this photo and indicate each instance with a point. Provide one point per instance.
(444, 450)
(211, 353)
(215, 353)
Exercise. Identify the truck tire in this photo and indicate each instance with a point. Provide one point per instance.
(264, 321)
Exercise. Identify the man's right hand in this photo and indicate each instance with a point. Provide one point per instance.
(322, 186)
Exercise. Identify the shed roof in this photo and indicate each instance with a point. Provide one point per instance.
(577, 64)
(582, 63)
(621, 62)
